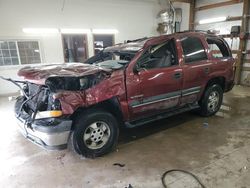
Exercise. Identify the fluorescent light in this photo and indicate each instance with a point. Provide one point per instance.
(40, 30)
(75, 31)
(213, 20)
(105, 31)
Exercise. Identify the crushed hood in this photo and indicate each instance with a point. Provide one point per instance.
(39, 74)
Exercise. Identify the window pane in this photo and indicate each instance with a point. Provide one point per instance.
(159, 56)
(7, 61)
(75, 49)
(193, 49)
(12, 45)
(4, 45)
(29, 52)
(15, 61)
(6, 53)
(13, 53)
(1, 61)
(217, 48)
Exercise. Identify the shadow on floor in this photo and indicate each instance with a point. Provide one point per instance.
(131, 134)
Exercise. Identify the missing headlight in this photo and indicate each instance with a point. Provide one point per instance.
(83, 83)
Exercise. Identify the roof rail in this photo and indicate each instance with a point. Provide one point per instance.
(137, 40)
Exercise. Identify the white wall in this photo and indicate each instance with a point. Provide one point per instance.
(132, 18)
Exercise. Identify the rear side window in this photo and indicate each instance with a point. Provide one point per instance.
(217, 48)
(193, 49)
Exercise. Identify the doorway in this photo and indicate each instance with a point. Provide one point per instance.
(101, 41)
(74, 47)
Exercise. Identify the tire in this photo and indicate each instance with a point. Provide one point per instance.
(95, 133)
(211, 101)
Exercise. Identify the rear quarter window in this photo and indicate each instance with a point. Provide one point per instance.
(217, 48)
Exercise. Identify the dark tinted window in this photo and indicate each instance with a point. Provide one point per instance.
(193, 49)
(159, 56)
(218, 48)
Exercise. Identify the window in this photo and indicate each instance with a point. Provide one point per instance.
(193, 49)
(218, 48)
(75, 47)
(102, 41)
(19, 52)
(159, 56)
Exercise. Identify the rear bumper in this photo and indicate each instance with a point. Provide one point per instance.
(49, 133)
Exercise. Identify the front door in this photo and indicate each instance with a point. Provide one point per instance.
(160, 80)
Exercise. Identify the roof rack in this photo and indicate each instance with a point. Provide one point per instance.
(200, 31)
(137, 40)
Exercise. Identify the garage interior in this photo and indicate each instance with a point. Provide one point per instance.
(215, 149)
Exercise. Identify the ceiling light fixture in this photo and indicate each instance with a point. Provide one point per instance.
(213, 20)
(40, 30)
(75, 31)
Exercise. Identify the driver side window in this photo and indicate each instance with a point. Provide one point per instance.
(159, 56)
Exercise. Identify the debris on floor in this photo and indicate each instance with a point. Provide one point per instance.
(60, 157)
(119, 164)
(205, 124)
(129, 186)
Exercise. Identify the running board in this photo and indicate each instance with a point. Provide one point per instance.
(150, 119)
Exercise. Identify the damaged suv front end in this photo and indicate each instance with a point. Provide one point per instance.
(43, 113)
(40, 118)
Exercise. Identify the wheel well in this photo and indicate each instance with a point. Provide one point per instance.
(217, 80)
(111, 105)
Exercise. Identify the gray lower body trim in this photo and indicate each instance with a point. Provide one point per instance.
(191, 91)
(164, 97)
(155, 99)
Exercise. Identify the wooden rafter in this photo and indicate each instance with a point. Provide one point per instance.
(215, 5)
(181, 1)
(243, 42)
(191, 15)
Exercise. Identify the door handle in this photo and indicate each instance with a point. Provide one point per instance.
(177, 75)
(206, 70)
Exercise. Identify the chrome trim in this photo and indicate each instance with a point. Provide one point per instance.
(164, 97)
(151, 102)
(45, 140)
(136, 96)
(191, 93)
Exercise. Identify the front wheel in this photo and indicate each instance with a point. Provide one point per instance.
(95, 133)
(211, 100)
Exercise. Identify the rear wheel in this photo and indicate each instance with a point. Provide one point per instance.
(211, 100)
(95, 133)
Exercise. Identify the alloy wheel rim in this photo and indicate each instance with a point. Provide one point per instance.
(213, 101)
(96, 135)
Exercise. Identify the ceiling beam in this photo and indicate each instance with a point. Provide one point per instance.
(221, 4)
(191, 15)
(181, 1)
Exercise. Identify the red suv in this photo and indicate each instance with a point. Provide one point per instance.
(84, 104)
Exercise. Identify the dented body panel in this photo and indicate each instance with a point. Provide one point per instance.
(140, 93)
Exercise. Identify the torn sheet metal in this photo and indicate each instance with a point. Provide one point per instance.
(108, 88)
(39, 74)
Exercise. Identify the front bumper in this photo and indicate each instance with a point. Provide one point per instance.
(49, 133)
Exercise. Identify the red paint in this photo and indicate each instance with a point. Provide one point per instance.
(126, 84)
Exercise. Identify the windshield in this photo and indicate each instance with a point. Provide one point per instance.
(104, 56)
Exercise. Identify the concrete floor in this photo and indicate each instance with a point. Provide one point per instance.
(216, 149)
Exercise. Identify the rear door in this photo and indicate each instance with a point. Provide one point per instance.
(160, 80)
(196, 67)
